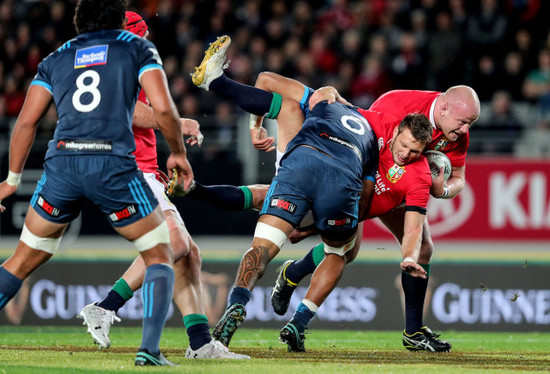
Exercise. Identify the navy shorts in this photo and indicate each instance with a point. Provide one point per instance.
(114, 184)
(310, 180)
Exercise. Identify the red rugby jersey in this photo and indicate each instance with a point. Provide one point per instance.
(396, 184)
(402, 102)
(146, 144)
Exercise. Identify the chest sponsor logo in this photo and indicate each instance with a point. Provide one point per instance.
(395, 173)
(91, 56)
(441, 144)
(339, 222)
(84, 145)
(47, 207)
(129, 211)
(284, 205)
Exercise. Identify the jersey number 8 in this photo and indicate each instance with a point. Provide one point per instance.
(83, 88)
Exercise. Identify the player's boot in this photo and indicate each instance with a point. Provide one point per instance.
(144, 358)
(292, 338)
(99, 323)
(282, 292)
(212, 64)
(229, 323)
(425, 340)
(212, 350)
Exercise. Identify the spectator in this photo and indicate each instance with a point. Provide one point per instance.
(536, 86)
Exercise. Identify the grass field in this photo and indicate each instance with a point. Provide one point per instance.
(69, 350)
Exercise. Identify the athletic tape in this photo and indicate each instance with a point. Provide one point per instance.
(273, 234)
(49, 245)
(156, 236)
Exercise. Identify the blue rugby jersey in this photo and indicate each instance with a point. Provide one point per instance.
(94, 80)
(342, 133)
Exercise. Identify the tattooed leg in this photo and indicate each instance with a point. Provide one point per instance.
(253, 264)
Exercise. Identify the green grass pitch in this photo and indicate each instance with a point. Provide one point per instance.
(36, 350)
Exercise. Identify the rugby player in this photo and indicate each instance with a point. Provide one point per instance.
(94, 80)
(188, 293)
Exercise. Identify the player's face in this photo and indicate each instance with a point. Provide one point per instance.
(456, 121)
(405, 148)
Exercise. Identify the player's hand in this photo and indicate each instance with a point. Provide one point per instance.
(413, 268)
(299, 234)
(261, 141)
(191, 128)
(438, 184)
(6, 190)
(178, 163)
(329, 94)
(162, 178)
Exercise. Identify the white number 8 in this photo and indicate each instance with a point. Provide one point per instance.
(83, 88)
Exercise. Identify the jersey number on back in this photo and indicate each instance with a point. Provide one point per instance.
(355, 124)
(90, 88)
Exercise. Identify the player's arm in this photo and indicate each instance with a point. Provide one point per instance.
(166, 115)
(367, 193)
(410, 244)
(329, 94)
(36, 104)
(450, 188)
(144, 117)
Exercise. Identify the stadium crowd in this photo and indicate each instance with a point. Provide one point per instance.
(501, 48)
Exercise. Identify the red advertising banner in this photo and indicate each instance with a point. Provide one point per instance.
(503, 199)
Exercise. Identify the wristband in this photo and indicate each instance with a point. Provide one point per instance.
(407, 259)
(446, 192)
(13, 179)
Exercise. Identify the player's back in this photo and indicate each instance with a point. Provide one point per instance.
(403, 102)
(94, 82)
(341, 133)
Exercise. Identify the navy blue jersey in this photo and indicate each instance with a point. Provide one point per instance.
(342, 133)
(94, 80)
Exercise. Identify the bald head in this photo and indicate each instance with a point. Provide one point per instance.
(456, 110)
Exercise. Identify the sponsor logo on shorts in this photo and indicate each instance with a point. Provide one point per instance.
(47, 207)
(84, 145)
(129, 211)
(284, 205)
(339, 222)
(96, 55)
(395, 173)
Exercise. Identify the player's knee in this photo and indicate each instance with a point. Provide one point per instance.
(159, 235)
(48, 245)
(266, 80)
(181, 245)
(426, 252)
(273, 234)
(342, 250)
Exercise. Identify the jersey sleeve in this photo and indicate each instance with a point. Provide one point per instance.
(42, 78)
(418, 195)
(149, 58)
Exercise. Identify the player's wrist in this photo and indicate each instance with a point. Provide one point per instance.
(13, 178)
(446, 193)
(408, 259)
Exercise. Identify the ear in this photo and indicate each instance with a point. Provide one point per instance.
(395, 131)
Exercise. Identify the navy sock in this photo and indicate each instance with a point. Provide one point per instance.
(226, 197)
(297, 270)
(415, 292)
(9, 286)
(239, 295)
(113, 301)
(302, 317)
(157, 289)
(199, 335)
(250, 99)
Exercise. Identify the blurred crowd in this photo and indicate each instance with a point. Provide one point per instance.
(364, 48)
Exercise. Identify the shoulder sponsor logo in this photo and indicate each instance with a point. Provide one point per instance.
(47, 207)
(156, 55)
(91, 56)
(283, 204)
(129, 211)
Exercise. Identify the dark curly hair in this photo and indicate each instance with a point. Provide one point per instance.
(419, 125)
(92, 15)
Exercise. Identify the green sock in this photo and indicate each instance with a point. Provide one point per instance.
(122, 288)
(275, 107)
(427, 268)
(248, 199)
(194, 319)
(318, 253)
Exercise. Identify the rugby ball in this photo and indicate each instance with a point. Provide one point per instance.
(437, 160)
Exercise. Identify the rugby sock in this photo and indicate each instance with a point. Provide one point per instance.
(226, 197)
(299, 269)
(197, 330)
(9, 286)
(117, 296)
(250, 99)
(303, 315)
(415, 292)
(157, 289)
(239, 295)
